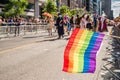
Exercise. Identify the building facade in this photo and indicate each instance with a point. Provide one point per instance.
(33, 10)
(77, 4)
(95, 6)
(89, 5)
(99, 7)
(72, 3)
(106, 8)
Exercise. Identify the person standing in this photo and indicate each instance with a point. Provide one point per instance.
(68, 27)
(72, 23)
(83, 22)
(94, 22)
(88, 23)
(102, 24)
(60, 26)
(65, 19)
(77, 21)
(50, 25)
(10, 23)
(17, 26)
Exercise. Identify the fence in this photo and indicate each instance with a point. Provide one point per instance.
(116, 32)
(10, 29)
(113, 61)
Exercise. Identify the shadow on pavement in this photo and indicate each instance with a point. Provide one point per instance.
(52, 39)
(25, 37)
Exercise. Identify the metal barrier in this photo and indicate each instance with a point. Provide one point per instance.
(6, 29)
(116, 41)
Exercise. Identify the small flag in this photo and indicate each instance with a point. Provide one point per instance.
(81, 50)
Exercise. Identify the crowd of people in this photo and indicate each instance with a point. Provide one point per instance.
(65, 24)
(18, 21)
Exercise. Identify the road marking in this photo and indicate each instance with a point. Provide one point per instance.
(15, 48)
(23, 46)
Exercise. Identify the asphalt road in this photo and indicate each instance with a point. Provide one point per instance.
(39, 59)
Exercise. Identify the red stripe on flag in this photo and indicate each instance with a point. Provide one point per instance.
(66, 58)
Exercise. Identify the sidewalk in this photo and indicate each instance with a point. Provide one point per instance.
(107, 73)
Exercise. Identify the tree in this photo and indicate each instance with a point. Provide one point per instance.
(64, 10)
(15, 8)
(81, 11)
(73, 12)
(50, 7)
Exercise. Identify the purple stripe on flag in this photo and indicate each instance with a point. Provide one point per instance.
(93, 53)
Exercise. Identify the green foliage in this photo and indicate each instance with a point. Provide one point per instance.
(81, 11)
(15, 8)
(64, 10)
(89, 13)
(73, 12)
(50, 7)
(1, 14)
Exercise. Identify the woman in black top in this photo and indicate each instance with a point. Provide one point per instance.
(60, 28)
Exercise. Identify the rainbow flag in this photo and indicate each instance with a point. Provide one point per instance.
(81, 50)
